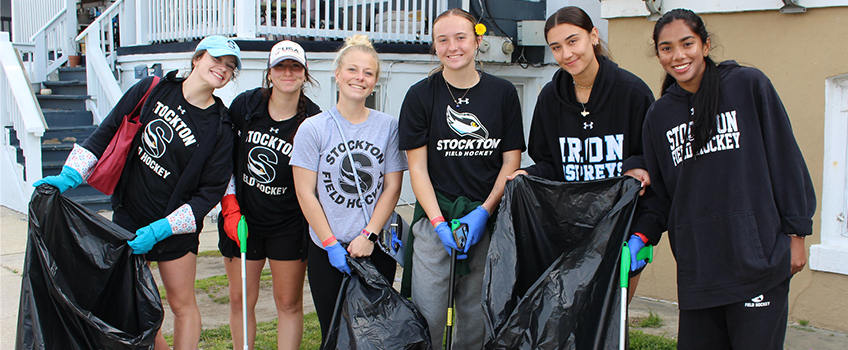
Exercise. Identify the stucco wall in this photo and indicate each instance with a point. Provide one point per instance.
(798, 52)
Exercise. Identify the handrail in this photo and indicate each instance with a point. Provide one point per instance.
(49, 23)
(21, 110)
(96, 22)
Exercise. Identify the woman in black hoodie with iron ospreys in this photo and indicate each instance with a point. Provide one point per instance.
(733, 188)
(587, 124)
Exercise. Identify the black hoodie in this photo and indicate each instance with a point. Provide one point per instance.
(202, 179)
(568, 146)
(268, 203)
(730, 207)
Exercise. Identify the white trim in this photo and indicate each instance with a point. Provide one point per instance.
(832, 254)
(637, 8)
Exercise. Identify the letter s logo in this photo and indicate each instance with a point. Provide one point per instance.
(347, 180)
(157, 134)
(260, 164)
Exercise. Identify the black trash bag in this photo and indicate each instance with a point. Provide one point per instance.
(370, 314)
(82, 287)
(551, 280)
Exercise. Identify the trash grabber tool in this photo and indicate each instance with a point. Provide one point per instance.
(460, 235)
(646, 253)
(242, 235)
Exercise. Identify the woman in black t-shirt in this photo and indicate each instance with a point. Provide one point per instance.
(176, 172)
(262, 191)
(462, 132)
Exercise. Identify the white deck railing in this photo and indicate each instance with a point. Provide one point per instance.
(29, 16)
(382, 20)
(19, 109)
(172, 20)
(100, 56)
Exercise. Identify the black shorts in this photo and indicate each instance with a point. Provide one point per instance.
(285, 247)
(170, 248)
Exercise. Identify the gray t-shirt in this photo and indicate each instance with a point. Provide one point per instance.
(374, 145)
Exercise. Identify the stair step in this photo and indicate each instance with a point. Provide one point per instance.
(62, 118)
(77, 73)
(69, 87)
(62, 102)
(68, 134)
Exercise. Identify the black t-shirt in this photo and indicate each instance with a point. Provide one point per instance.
(267, 197)
(169, 136)
(465, 134)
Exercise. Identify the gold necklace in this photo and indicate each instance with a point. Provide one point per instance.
(581, 86)
(585, 112)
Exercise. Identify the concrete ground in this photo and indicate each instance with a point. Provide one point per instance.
(13, 226)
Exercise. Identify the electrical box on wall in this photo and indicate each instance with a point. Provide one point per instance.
(496, 49)
(531, 33)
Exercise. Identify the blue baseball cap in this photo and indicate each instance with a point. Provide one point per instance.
(218, 46)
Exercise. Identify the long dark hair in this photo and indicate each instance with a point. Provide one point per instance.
(708, 96)
(575, 16)
(267, 89)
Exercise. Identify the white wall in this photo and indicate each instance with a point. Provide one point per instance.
(635, 8)
(11, 194)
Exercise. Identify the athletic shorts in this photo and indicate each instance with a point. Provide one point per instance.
(170, 248)
(288, 246)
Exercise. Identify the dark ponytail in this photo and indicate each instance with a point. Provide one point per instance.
(708, 97)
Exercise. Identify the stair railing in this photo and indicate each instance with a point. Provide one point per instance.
(20, 110)
(100, 57)
(54, 42)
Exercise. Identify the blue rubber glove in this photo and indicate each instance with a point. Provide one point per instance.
(635, 244)
(69, 178)
(338, 257)
(446, 235)
(149, 235)
(476, 221)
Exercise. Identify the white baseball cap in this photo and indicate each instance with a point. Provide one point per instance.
(286, 50)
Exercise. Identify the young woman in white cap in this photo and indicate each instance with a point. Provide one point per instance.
(326, 186)
(176, 172)
(262, 190)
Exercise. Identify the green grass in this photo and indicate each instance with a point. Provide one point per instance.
(215, 287)
(209, 253)
(266, 336)
(652, 321)
(642, 341)
(804, 322)
(219, 338)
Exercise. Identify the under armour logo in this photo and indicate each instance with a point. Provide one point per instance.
(588, 125)
(180, 108)
(274, 130)
(461, 100)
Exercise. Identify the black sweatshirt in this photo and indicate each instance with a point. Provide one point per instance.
(203, 178)
(267, 212)
(729, 207)
(606, 142)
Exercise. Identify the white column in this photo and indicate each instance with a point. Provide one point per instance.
(246, 19)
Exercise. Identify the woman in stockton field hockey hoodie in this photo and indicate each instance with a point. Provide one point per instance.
(587, 124)
(733, 188)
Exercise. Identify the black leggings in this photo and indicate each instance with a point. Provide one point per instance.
(325, 281)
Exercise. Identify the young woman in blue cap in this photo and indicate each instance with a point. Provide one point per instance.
(262, 189)
(177, 171)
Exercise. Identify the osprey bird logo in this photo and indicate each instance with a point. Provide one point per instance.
(466, 124)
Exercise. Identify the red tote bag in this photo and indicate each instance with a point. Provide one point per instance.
(108, 169)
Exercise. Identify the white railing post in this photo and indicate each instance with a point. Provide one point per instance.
(246, 19)
(69, 46)
(40, 59)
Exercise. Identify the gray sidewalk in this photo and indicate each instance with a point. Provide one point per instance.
(13, 226)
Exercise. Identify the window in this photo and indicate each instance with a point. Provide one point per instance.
(832, 254)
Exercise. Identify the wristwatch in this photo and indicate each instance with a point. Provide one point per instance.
(373, 237)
